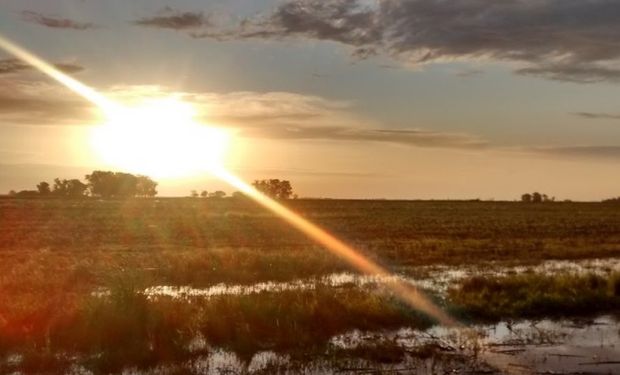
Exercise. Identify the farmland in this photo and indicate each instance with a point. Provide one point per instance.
(107, 285)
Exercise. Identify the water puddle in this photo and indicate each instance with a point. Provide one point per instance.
(436, 279)
(524, 347)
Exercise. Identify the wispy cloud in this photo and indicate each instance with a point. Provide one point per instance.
(169, 18)
(569, 40)
(55, 22)
(10, 66)
(590, 152)
(37, 103)
(598, 116)
(265, 115)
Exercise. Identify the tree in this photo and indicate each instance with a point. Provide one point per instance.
(537, 197)
(193, 194)
(146, 187)
(60, 187)
(217, 194)
(204, 194)
(274, 188)
(106, 184)
(102, 184)
(76, 188)
(238, 195)
(526, 198)
(73, 188)
(44, 188)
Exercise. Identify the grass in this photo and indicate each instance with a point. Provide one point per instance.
(126, 328)
(55, 253)
(536, 295)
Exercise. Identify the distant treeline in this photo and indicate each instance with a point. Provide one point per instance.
(536, 197)
(101, 184)
(273, 188)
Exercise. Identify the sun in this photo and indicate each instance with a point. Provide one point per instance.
(159, 138)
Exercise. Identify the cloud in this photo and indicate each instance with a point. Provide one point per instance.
(408, 137)
(55, 22)
(590, 152)
(569, 40)
(37, 103)
(11, 65)
(598, 116)
(175, 20)
(266, 115)
(270, 115)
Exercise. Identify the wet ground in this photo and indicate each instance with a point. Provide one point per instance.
(434, 279)
(566, 346)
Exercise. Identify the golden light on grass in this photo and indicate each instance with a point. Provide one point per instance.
(161, 136)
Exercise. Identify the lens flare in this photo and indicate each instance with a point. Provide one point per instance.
(408, 293)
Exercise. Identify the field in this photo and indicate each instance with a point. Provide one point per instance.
(215, 285)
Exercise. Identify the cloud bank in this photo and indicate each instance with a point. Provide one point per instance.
(567, 40)
(265, 115)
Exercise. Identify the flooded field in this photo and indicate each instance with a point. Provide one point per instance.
(434, 279)
(576, 346)
(186, 287)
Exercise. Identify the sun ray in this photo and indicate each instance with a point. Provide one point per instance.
(74, 85)
(411, 295)
(406, 292)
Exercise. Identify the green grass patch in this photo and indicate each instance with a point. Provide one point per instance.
(536, 295)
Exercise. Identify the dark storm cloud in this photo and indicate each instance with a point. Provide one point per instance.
(598, 116)
(9, 66)
(55, 22)
(571, 40)
(175, 20)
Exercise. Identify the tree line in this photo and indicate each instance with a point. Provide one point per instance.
(101, 184)
(536, 197)
(273, 188)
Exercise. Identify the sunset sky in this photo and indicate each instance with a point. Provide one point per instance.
(345, 98)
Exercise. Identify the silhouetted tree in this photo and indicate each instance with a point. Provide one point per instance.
(44, 188)
(217, 194)
(73, 188)
(27, 194)
(274, 188)
(60, 187)
(526, 198)
(537, 197)
(238, 195)
(204, 194)
(106, 184)
(146, 187)
(76, 188)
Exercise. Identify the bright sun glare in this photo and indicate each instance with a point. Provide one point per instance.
(159, 138)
